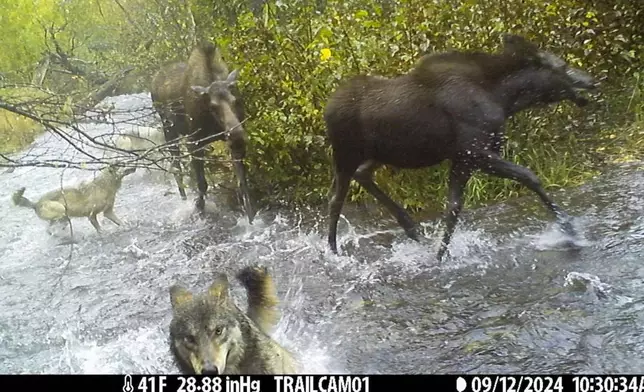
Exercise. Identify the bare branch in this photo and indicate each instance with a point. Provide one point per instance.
(154, 158)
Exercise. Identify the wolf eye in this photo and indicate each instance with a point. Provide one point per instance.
(190, 340)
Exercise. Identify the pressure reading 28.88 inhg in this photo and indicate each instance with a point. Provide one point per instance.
(192, 384)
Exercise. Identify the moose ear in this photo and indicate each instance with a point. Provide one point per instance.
(551, 60)
(232, 77)
(512, 39)
(199, 90)
(519, 46)
(179, 296)
(219, 288)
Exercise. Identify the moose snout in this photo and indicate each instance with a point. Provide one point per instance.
(582, 79)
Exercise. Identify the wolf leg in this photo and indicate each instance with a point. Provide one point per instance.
(51, 225)
(57, 223)
(109, 214)
(94, 222)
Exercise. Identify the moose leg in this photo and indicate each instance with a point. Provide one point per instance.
(458, 177)
(493, 164)
(197, 153)
(341, 182)
(331, 188)
(364, 176)
(171, 132)
(176, 170)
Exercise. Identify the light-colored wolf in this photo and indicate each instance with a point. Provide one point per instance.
(209, 334)
(86, 200)
(139, 139)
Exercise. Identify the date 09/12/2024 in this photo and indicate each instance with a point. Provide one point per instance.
(607, 383)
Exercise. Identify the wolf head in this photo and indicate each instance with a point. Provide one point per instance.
(205, 330)
(119, 172)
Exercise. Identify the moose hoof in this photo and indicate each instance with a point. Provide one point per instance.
(412, 233)
(333, 247)
(567, 227)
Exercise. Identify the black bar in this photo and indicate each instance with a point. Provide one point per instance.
(324, 383)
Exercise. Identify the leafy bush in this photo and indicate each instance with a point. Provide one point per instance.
(17, 131)
(293, 55)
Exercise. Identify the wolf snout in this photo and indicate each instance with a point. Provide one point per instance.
(210, 370)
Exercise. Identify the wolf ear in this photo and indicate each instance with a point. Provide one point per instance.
(179, 296)
(199, 90)
(219, 288)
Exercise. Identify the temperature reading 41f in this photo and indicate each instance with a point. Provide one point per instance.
(155, 384)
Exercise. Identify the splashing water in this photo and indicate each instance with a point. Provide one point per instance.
(383, 305)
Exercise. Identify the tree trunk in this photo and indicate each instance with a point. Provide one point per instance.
(102, 92)
(41, 71)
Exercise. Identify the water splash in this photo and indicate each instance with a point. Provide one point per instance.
(102, 306)
(584, 281)
(553, 238)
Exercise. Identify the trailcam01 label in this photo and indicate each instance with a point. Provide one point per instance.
(322, 383)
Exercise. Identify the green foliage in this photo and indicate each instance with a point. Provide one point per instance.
(293, 54)
(21, 34)
(17, 131)
(292, 57)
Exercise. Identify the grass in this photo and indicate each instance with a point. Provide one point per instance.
(17, 132)
(624, 145)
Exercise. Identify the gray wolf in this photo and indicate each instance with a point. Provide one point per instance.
(209, 334)
(199, 99)
(450, 106)
(86, 200)
(142, 139)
